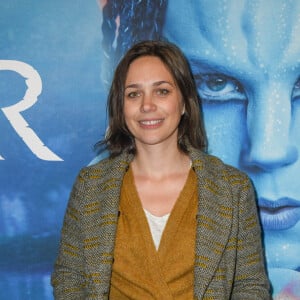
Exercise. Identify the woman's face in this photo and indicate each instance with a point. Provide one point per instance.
(247, 68)
(152, 103)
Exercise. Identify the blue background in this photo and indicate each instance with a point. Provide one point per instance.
(62, 41)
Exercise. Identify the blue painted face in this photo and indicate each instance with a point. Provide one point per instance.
(245, 56)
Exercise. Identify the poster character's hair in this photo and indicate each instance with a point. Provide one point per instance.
(125, 23)
(191, 128)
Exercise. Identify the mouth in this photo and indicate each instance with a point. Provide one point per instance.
(281, 214)
(154, 123)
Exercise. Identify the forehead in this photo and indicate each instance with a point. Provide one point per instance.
(148, 68)
(245, 36)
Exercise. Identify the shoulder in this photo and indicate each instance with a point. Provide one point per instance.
(99, 181)
(106, 168)
(213, 168)
(222, 185)
(105, 172)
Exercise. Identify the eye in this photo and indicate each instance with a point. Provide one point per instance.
(219, 87)
(162, 92)
(133, 94)
(296, 90)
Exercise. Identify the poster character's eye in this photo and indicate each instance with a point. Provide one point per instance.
(219, 87)
(296, 90)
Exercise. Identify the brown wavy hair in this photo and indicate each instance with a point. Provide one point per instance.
(191, 127)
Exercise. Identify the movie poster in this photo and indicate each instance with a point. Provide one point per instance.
(56, 62)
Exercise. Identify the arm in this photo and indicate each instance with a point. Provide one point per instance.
(68, 279)
(251, 281)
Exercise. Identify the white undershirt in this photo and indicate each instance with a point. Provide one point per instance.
(157, 226)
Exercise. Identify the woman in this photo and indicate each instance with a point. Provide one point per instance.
(159, 218)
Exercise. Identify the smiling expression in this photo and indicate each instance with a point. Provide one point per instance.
(152, 103)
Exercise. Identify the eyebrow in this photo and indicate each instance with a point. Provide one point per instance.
(157, 83)
(215, 67)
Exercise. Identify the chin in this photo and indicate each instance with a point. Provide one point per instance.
(286, 283)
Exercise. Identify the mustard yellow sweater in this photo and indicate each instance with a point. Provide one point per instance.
(141, 272)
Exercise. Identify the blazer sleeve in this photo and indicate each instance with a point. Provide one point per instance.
(68, 279)
(251, 281)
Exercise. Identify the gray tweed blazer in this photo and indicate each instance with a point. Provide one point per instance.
(229, 261)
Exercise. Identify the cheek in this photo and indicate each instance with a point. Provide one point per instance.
(130, 117)
(178, 107)
(295, 127)
(127, 119)
(128, 112)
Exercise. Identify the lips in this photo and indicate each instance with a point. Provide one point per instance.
(150, 123)
(281, 214)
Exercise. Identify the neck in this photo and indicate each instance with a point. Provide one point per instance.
(158, 162)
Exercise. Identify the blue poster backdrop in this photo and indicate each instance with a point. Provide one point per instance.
(52, 113)
(54, 59)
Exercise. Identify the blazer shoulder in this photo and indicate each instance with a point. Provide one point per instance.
(217, 169)
(106, 171)
(98, 181)
(95, 170)
(106, 168)
(237, 179)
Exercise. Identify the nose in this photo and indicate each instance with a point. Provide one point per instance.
(269, 122)
(147, 103)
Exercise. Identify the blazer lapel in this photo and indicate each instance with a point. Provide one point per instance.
(214, 220)
(102, 225)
